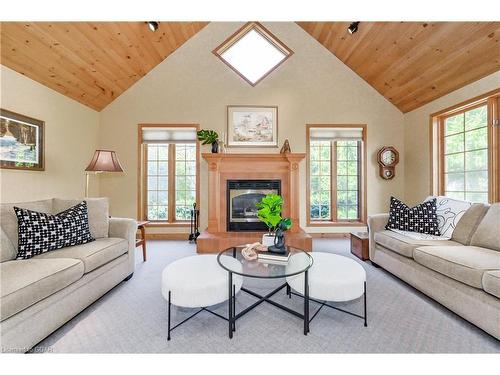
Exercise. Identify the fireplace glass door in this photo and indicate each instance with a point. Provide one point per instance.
(243, 196)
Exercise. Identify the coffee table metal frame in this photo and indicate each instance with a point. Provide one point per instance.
(364, 317)
(233, 317)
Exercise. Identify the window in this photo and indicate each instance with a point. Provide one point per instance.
(336, 174)
(348, 177)
(157, 182)
(466, 155)
(464, 140)
(253, 52)
(185, 180)
(168, 172)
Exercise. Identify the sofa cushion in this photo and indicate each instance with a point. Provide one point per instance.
(404, 245)
(98, 211)
(40, 232)
(468, 223)
(487, 233)
(422, 218)
(93, 254)
(466, 264)
(25, 282)
(449, 212)
(7, 249)
(8, 217)
(491, 283)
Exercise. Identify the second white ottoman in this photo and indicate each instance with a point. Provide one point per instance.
(333, 278)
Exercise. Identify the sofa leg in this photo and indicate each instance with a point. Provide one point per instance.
(128, 277)
(374, 264)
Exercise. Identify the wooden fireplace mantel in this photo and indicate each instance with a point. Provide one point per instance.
(223, 167)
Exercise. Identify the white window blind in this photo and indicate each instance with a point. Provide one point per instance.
(168, 135)
(336, 134)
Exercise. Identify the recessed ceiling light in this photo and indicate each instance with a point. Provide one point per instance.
(153, 25)
(353, 27)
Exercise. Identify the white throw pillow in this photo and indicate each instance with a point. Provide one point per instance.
(449, 211)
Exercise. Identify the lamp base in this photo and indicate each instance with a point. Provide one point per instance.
(87, 178)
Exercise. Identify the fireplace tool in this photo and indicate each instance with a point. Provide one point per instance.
(193, 224)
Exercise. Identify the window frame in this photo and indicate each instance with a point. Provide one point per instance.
(142, 175)
(240, 33)
(436, 142)
(333, 177)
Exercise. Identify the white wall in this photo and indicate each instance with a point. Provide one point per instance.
(416, 126)
(194, 86)
(71, 132)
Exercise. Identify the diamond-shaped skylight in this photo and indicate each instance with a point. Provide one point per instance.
(253, 52)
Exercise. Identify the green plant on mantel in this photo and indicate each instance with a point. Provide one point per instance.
(207, 136)
(269, 213)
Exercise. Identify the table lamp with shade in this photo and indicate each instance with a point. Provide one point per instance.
(102, 161)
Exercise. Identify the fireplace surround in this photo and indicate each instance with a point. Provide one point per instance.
(250, 167)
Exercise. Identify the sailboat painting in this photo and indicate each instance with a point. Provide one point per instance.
(249, 126)
(21, 142)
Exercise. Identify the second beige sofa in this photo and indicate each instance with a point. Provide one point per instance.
(462, 274)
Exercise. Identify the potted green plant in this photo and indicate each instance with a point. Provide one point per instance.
(208, 136)
(269, 212)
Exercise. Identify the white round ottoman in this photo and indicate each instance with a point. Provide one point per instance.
(197, 282)
(334, 278)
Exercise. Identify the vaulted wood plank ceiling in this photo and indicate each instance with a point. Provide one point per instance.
(413, 63)
(91, 62)
(410, 63)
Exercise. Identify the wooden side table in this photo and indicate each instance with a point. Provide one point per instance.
(141, 226)
(359, 245)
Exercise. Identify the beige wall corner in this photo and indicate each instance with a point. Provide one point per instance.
(71, 132)
(416, 133)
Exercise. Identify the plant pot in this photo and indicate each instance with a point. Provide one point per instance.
(215, 147)
(268, 239)
(279, 246)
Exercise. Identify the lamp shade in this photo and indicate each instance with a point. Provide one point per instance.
(104, 161)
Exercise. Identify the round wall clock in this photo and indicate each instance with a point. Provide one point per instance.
(387, 159)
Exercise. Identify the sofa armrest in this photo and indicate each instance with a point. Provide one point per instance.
(126, 229)
(376, 223)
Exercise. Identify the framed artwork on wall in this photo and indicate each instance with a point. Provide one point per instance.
(21, 142)
(252, 126)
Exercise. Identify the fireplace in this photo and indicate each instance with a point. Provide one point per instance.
(242, 197)
(221, 231)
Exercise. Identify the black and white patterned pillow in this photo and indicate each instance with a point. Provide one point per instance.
(422, 218)
(40, 232)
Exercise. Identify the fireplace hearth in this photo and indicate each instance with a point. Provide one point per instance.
(242, 198)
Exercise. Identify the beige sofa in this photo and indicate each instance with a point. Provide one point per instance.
(463, 274)
(40, 294)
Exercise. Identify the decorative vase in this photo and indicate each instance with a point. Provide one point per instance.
(279, 242)
(268, 239)
(222, 147)
(215, 147)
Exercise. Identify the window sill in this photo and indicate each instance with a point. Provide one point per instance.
(336, 224)
(160, 224)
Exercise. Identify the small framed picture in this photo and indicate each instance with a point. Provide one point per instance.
(21, 142)
(252, 126)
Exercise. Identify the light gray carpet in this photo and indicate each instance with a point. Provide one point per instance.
(132, 319)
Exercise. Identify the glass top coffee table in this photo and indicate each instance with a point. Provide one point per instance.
(299, 262)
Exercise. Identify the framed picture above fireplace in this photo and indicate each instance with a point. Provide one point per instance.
(252, 126)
